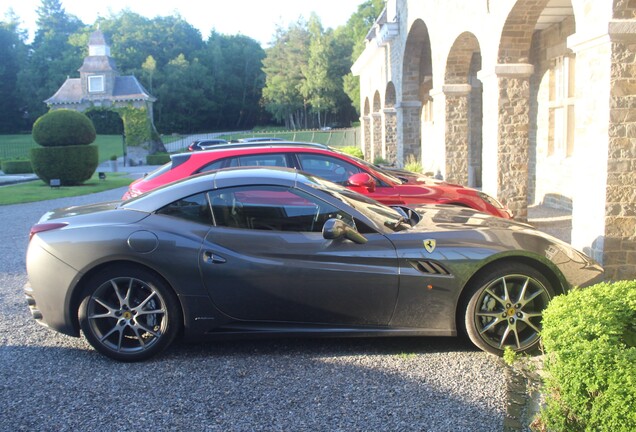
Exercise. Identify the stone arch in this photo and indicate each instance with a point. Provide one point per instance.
(513, 126)
(516, 37)
(463, 93)
(552, 106)
(417, 81)
(366, 127)
(390, 124)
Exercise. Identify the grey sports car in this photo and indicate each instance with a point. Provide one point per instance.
(277, 252)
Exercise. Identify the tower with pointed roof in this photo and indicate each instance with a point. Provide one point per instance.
(101, 87)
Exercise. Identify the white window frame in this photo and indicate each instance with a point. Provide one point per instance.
(96, 84)
(562, 103)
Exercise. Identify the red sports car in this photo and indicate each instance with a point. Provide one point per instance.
(337, 167)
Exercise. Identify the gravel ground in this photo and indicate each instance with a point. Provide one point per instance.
(51, 382)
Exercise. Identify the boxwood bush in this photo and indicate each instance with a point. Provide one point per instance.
(63, 127)
(589, 337)
(353, 151)
(73, 165)
(158, 159)
(65, 154)
(17, 167)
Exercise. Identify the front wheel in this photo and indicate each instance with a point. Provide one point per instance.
(128, 313)
(504, 308)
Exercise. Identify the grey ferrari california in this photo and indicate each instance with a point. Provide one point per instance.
(265, 251)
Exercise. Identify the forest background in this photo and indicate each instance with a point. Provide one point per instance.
(225, 82)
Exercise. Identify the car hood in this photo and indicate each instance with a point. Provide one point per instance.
(449, 217)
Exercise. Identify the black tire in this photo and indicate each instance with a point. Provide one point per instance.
(128, 313)
(504, 306)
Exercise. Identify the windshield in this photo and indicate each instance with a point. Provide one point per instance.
(382, 216)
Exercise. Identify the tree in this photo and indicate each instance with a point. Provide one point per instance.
(355, 31)
(52, 57)
(12, 53)
(283, 67)
(234, 67)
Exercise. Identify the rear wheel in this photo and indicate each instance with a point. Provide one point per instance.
(129, 313)
(504, 308)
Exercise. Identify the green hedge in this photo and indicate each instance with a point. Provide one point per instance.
(589, 337)
(17, 167)
(73, 165)
(353, 151)
(158, 159)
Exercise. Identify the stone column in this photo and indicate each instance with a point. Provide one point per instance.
(619, 257)
(457, 130)
(366, 137)
(490, 134)
(513, 138)
(377, 135)
(409, 129)
(390, 135)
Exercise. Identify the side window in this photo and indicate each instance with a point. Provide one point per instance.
(193, 208)
(222, 163)
(330, 168)
(271, 208)
(275, 160)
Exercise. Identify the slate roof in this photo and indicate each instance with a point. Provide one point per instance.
(127, 88)
(98, 64)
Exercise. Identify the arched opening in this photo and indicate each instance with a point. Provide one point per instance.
(464, 120)
(417, 81)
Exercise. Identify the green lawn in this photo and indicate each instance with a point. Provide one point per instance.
(37, 190)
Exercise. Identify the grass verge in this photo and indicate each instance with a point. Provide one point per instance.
(37, 190)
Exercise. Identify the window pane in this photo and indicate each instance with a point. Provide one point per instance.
(330, 168)
(271, 208)
(194, 208)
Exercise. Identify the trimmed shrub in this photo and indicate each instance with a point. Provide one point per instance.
(73, 165)
(17, 167)
(63, 127)
(590, 342)
(353, 151)
(158, 159)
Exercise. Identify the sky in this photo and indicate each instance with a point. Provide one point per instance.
(254, 18)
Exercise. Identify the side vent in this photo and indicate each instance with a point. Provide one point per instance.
(430, 268)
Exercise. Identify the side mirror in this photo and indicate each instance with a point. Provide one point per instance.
(335, 229)
(362, 180)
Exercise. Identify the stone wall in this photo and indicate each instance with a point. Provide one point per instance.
(573, 148)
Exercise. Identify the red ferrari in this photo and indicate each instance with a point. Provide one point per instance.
(354, 173)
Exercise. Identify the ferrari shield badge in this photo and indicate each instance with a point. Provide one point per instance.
(429, 245)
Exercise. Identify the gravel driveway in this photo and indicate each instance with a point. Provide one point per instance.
(51, 382)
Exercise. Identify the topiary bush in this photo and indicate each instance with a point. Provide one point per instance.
(73, 165)
(63, 127)
(65, 154)
(589, 337)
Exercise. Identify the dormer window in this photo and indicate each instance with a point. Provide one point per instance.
(96, 84)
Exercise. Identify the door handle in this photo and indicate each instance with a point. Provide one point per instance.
(212, 258)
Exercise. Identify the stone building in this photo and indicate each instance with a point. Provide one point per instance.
(532, 100)
(101, 87)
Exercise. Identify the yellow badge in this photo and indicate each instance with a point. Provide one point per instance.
(429, 245)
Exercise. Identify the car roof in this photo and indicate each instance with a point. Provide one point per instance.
(179, 158)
